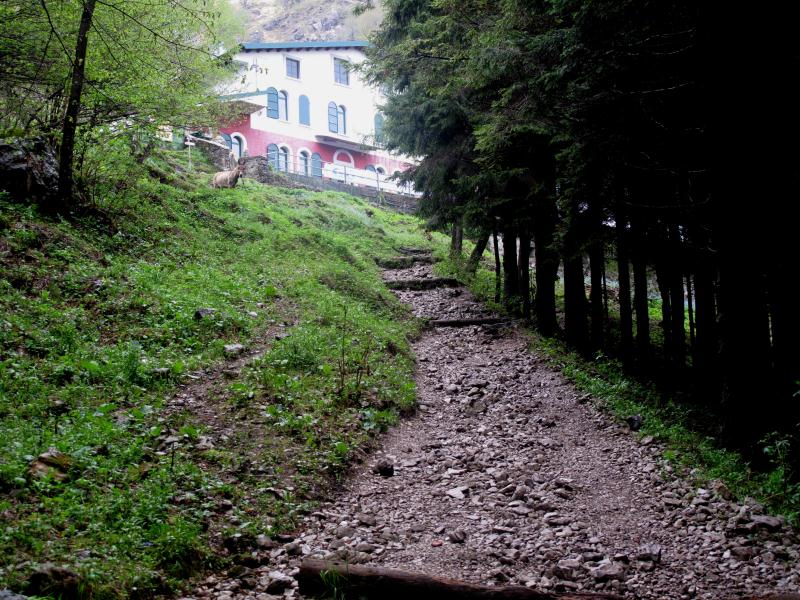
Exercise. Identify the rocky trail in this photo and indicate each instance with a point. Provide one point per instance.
(508, 475)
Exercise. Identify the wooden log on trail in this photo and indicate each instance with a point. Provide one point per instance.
(466, 322)
(403, 262)
(422, 284)
(406, 250)
(319, 577)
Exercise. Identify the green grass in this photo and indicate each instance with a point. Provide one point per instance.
(98, 328)
(700, 456)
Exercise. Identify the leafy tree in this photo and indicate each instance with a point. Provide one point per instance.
(73, 67)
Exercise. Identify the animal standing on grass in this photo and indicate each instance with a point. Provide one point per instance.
(227, 179)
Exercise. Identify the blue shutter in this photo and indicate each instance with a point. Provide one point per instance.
(378, 128)
(272, 156)
(316, 165)
(227, 138)
(272, 103)
(333, 117)
(305, 111)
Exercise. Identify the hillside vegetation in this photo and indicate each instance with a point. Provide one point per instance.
(105, 471)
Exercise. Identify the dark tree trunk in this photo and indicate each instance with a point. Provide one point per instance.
(510, 272)
(704, 357)
(625, 313)
(546, 260)
(525, 271)
(456, 240)
(640, 303)
(575, 324)
(678, 322)
(690, 308)
(67, 148)
(662, 279)
(596, 259)
(477, 253)
(498, 282)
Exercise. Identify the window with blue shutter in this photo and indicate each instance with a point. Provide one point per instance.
(305, 111)
(283, 106)
(293, 68)
(272, 156)
(333, 117)
(227, 139)
(378, 128)
(283, 159)
(272, 103)
(341, 113)
(304, 163)
(341, 71)
(316, 165)
(370, 168)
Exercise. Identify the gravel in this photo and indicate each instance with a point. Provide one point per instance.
(538, 487)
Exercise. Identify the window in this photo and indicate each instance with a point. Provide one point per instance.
(272, 103)
(380, 170)
(370, 168)
(293, 68)
(272, 156)
(283, 159)
(337, 118)
(316, 165)
(283, 106)
(236, 146)
(304, 163)
(305, 111)
(341, 71)
(378, 128)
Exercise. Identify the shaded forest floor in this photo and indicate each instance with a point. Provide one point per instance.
(508, 474)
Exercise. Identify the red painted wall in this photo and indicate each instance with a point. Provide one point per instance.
(258, 140)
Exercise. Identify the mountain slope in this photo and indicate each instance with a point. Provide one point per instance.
(306, 20)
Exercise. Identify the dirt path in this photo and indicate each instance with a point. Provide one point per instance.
(508, 474)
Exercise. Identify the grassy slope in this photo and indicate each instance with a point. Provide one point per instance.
(98, 330)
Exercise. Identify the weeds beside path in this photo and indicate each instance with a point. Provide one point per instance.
(203, 362)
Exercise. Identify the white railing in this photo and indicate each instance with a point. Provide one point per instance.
(352, 176)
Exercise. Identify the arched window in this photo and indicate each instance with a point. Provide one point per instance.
(380, 170)
(316, 165)
(283, 106)
(337, 118)
(370, 168)
(304, 163)
(272, 103)
(305, 111)
(283, 159)
(378, 128)
(333, 117)
(272, 156)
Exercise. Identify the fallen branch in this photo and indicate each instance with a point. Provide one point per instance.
(466, 322)
(320, 577)
(422, 284)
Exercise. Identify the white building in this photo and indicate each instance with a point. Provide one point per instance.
(310, 113)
